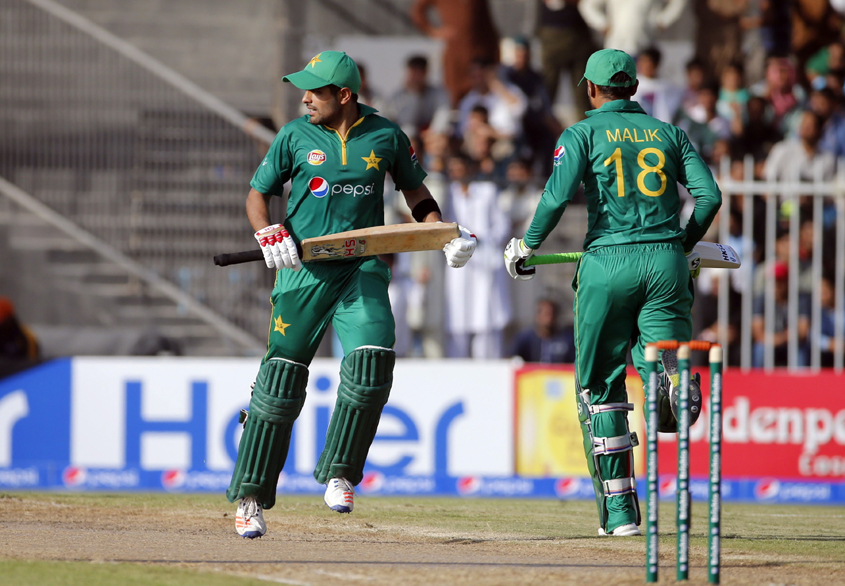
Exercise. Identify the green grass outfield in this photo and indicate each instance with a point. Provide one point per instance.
(111, 574)
(84, 538)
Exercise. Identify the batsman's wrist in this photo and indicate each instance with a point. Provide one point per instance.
(424, 208)
(524, 243)
(524, 249)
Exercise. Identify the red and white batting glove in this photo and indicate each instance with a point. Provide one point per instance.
(278, 247)
(459, 250)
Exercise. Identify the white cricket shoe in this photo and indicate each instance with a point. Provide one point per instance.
(339, 495)
(622, 531)
(249, 520)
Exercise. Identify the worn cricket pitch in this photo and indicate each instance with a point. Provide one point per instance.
(85, 539)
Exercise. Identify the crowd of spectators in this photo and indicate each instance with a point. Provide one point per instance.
(763, 91)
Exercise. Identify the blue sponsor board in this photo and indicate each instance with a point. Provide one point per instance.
(35, 425)
(377, 484)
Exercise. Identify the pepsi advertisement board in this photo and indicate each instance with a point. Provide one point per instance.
(450, 428)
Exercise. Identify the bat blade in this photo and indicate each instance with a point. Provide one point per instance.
(379, 240)
(717, 256)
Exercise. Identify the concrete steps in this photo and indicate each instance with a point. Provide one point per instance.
(129, 314)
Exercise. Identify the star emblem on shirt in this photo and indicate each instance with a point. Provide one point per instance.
(315, 59)
(372, 161)
(280, 325)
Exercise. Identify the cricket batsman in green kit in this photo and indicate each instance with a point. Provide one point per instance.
(336, 158)
(636, 271)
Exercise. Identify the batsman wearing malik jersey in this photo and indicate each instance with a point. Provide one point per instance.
(335, 158)
(635, 274)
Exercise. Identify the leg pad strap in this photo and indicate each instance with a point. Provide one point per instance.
(619, 486)
(611, 407)
(613, 445)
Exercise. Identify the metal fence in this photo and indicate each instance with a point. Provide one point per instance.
(131, 152)
(786, 306)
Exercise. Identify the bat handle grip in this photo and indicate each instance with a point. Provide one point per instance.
(234, 258)
(553, 259)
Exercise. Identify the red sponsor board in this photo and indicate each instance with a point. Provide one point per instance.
(781, 424)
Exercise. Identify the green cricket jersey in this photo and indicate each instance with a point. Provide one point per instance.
(630, 164)
(337, 182)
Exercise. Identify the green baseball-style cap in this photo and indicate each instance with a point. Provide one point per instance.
(327, 68)
(604, 64)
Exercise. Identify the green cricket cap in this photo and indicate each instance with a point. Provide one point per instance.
(604, 64)
(327, 68)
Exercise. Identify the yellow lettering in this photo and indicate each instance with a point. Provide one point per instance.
(616, 159)
(646, 169)
(654, 135)
(627, 135)
(620, 177)
(615, 137)
(636, 139)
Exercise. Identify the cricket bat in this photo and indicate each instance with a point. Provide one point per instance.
(363, 242)
(713, 256)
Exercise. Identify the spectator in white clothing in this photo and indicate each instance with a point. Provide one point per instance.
(505, 102)
(478, 300)
(630, 25)
(705, 127)
(480, 140)
(801, 159)
(696, 77)
(658, 97)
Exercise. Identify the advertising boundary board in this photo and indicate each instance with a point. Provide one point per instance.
(57, 431)
(75, 479)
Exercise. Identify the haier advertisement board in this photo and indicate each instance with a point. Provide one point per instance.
(172, 423)
(450, 428)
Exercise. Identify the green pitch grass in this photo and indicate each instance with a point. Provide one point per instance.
(111, 574)
(85, 539)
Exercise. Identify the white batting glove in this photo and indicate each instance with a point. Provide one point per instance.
(516, 253)
(694, 262)
(460, 249)
(278, 247)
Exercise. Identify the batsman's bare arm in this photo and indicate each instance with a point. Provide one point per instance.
(459, 250)
(258, 209)
(415, 196)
